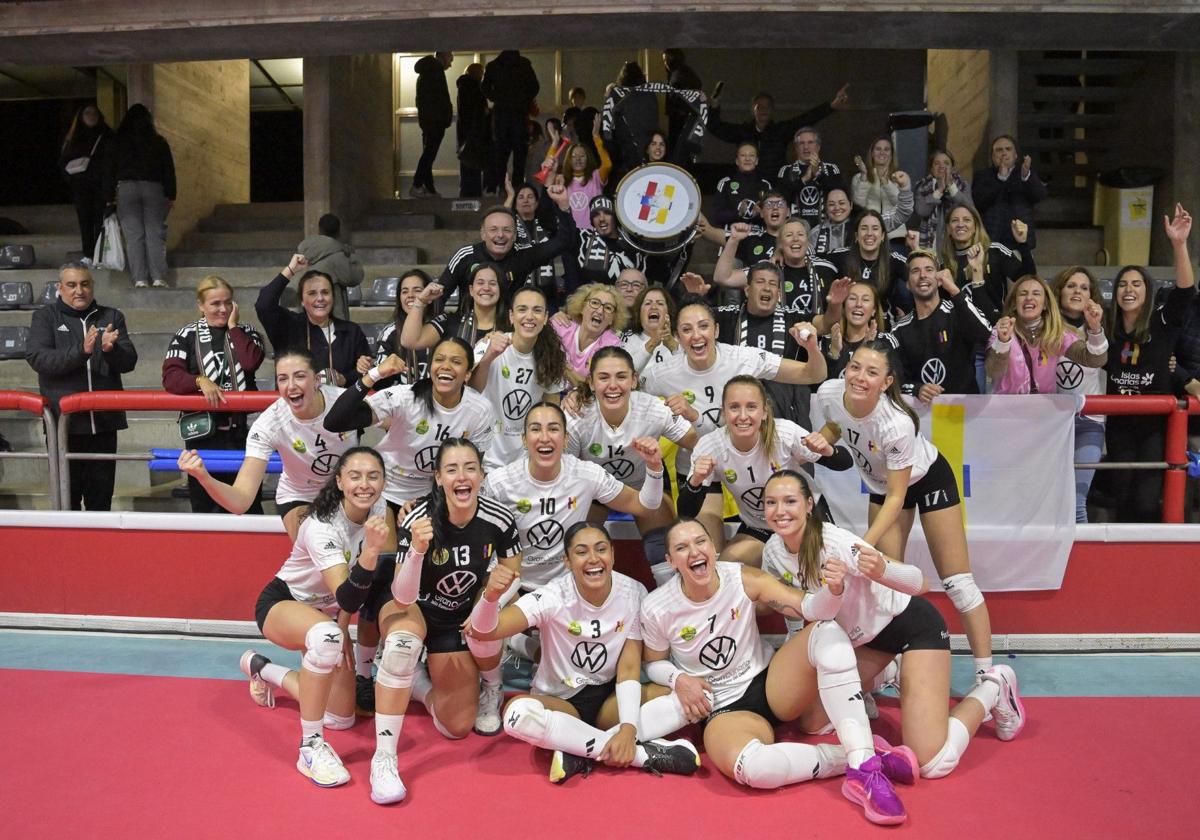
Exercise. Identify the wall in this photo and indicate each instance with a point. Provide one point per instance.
(958, 85)
(360, 146)
(202, 108)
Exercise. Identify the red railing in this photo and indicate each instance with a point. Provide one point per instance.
(40, 406)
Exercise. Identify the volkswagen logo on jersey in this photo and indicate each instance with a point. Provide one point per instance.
(753, 499)
(620, 468)
(545, 534)
(456, 584)
(323, 464)
(426, 459)
(933, 372)
(713, 415)
(589, 656)
(516, 404)
(718, 653)
(810, 196)
(1070, 375)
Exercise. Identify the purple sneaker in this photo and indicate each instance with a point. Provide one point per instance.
(899, 763)
(869, 787)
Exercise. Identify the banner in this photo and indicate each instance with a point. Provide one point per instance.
(1013, 456)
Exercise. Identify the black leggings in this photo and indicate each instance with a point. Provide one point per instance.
(1137, 494)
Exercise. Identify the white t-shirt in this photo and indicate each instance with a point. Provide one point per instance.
(410, 447)
(702, 388)
(581, 643)
(545, 510)
(511, 389)
(308, 452)
(885, 439)
(590, 438)
(635, 346)
(867, 607)
(319, 546)
(745, 474)
(716, 640)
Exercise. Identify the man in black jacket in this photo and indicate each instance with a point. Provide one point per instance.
(511, 85)
(772, 138)
(77, 345)
(434, 115)
(474, 134)
(1006, 191)
(681, 77)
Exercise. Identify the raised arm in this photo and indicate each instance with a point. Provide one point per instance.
(236, 497)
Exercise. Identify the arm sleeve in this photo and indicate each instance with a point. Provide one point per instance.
(177, 377)
(821, 605)
(969, 319)
(348, 412)
(840, 461)
(273, 317)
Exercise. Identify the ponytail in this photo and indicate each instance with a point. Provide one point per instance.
(330, 496)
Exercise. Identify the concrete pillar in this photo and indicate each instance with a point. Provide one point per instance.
(1184, 183)
(317, 133)
(958, 86)
(1004, 93)
(139, 82)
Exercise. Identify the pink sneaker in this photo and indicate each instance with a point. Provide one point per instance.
(1009, 711)
(899, 763)
(869, 787)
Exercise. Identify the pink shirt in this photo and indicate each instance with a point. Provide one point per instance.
(581, 194)
(1016, 379)
(578, 359)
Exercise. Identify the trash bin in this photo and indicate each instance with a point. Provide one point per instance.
(910, 140)
(1123, 205)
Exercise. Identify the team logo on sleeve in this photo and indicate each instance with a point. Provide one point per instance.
(589, 656)
(718, 653)
(422, 426)
(573, 628)
(523, 506)
(298, 446)
(687, 633)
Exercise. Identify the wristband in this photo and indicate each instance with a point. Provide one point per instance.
(353, 591)
(629, 702)
(375, 374)
(903, 577)
(1002, 346)
(361, 386)
(663, 672)
(1097, 343)
(821, 605)
(651, 494)
(485, 617)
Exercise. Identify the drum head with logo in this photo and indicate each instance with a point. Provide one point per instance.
(657, 208)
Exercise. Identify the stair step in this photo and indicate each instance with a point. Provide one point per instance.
(262, 210)
(396, 221)
(398, 255)
(1080, 66)
(44, 218)
(1033, 119)
(240, 224)
(1040, 93)
(442, 208)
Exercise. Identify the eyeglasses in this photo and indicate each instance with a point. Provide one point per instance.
(775, 203)
(630, 285)
(596, 303)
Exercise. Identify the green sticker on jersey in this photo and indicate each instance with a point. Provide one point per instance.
(298, 445)
(687, 633)
(730, 476)
(690, 396)
(574, 629)
(788, 286)
(758, 250)
(440, 557)
(734, 186)
(789, 578)
(505, 372)
(422, 426)
(523, 506)
(596, 449)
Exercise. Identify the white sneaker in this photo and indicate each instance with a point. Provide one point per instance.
(159, 284)
(319, 762)
(487, 719)
(386, 786)
(139, 284)
(261, 691)
(1009, 711)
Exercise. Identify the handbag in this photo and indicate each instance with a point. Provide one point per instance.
(195, 425)
(79, 165)
(110, 248)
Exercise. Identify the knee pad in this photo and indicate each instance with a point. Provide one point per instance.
(401, 652)
(484, 650)
(760, 766)
(526, 720)
(962, 592)
(332, 721)
(830, 652)
(654, 544)
(322, 647)
(948, 756)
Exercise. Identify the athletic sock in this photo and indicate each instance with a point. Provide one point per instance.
(846, 710)
(365, 658)
(387, 732)
(309, 729)
(571, 735)
(491, 676)
(660, 717)
(982, 663)
(525, 646)
(986, 693)
(274, 674)
(769, 766)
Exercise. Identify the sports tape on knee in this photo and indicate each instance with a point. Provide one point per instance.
(333, 721)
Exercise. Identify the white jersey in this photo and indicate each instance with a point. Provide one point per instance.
(745, 474)
(320, 546)
(590, 438)
(410, 447)
(867, 607)
(885, 439)
(1073, 378)
(581, 643)
(545, 510)
(512, 388)
(716, 640)
(702, 388)
(635, 346)
(308, 452)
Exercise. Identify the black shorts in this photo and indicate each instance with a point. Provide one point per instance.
(937, 489)
(919, 627)
(749, 530)
(272, 594)
(753, 700)
(443, 638)
(588, 700)
(284, 508)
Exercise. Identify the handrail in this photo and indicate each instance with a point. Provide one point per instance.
(236, 402)
(38, 405)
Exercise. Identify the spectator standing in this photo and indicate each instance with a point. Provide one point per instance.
(78, 345)
(1005, 191)
(681, 77)
(769, 136)
(634, 118)
(937, 194)
(210, 356)
(337, 259)
(577, 98)
(738, 193)
(140, 175)
(82, 162)
(473, 133)
(511, 85)
(876, 186)
(434, 115)
(807, 181)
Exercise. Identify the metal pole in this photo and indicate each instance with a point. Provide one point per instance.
(64, 469)
(1175, 453)
(52, 458)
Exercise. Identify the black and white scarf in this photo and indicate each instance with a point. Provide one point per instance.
(694, 132)
(221, 367)
(779, 331)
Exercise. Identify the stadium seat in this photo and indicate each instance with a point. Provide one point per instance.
(354, 295)
(372, 332)
(382, 292)
(49, 295)
(17, 256)
(13, 341)
(16, 295)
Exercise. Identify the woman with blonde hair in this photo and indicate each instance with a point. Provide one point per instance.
(210, 356)
(861, 321)
(876, 185)
(1030, 339)
(595, 317)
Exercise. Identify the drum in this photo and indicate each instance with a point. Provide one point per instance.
(657, 208)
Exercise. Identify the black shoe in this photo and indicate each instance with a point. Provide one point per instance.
(5, 446)
(564, 765)
(677, 757)
(364, 696)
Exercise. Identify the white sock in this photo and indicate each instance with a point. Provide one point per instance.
(491, 676)
(660, 717)
(769, 766)
(982, 663)
(274, 674)
(844, 705)
(387, 732)
(309, 728)
(365, 658)
(986, 693)
(525, 646)
(571, 735)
